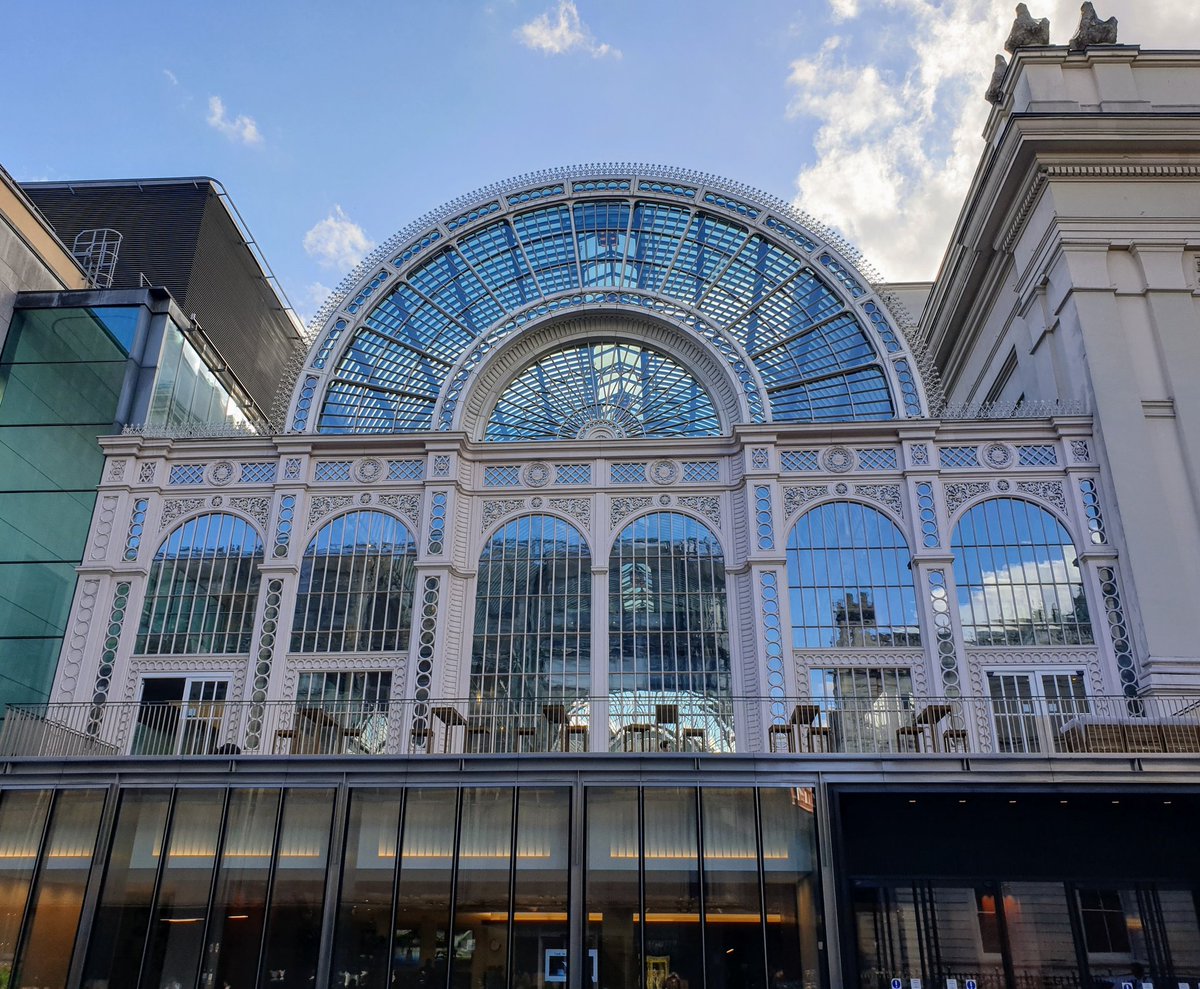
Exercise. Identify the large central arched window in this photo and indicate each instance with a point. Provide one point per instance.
(850, 581)
(356, 586)
(203, 588)
(533, 625)
(599, 390)
(667, 616)
(1017, 577)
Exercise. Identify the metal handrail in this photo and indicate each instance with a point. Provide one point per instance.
(649, 722)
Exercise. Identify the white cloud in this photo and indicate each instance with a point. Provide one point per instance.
(312, 297)
(240, 128)
(171, 77)
(337, 241)
(559, 31)
(895, 150)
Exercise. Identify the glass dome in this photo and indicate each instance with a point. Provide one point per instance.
(778, 298)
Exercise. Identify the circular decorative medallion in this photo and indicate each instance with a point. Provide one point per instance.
(838, 459)
(664, 499)
(537, 475)
(664, 472)
(364, 499)
(997, 455)
(1002, 485)
(217, 501)
(221, 472)
(535, 502)
(369, 469)
(841, 489)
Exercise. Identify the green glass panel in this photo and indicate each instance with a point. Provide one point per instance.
(44, 526)
(41, 335)
(42, 458)
(35, 598)
(27, 669)
(60, 393)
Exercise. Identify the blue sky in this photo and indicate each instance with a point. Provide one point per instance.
(333, 125)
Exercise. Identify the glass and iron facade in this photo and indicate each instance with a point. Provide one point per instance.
(608, 554)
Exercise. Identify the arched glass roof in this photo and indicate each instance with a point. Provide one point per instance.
(790, 313)
(602, 390)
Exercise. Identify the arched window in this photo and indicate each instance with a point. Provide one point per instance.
(1018, 582)
(356, 586)
(533, 614)
(849, 580)
(667, 616)
(203, 588)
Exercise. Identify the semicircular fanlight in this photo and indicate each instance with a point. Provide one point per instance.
(603, 390)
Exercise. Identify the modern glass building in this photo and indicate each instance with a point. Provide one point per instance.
(635, 596)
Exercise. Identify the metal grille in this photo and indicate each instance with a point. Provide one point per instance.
(573, 474)
(667, 613)
(356, 586)
(799, 460)
(406, 470)
(627, 473)
(700, 471)
(257, 473)
(533, 613)
(186, 474)
(97, 251)
(332, 470)
(202, 588)
(958, 456)
(501, 477)
(1039, 455)
(877, 459)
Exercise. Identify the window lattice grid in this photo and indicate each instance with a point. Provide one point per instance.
(533, 613)
(849, 580)
(496, 257)
(791, 312)
(501, 477)
(627, 473)
(550, 246)
(862, 395)
(758, 269)
(406, 470)
(262, 472)
(202, 589)
(700, 471)
(186, 474)
(657, 230)
(1037, 455)
(958, 456)
(332, 470)
(707, 246)
(799, 460)
(572, 473)
(602, 236)
(447, 282)
(602, 389)
(1017, 577)
(877, 459)
(668, 617)
(368, 688)
(356, 586)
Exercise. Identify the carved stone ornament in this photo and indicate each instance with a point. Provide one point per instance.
(578, 508)
(664, 472)
(322, 505)
(796, 498)
(536, 475)
(258, 509)
(291, 469)
(960, 492)
(997, 455)
(1080, 452)
(622, 507)
(920, 455)
(885, 494)
(995, 90)
(407, 505)
(221, 472)
(496, 509)
(1092, 30)
(707, 505)
(369, 469)
(176, 507)
(1049, 491)
(116, 470)
(441, 465)
(146, 472)
(838, 459)
(1027, 30)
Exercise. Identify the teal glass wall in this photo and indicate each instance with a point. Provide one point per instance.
(186, 392)
(62, 373)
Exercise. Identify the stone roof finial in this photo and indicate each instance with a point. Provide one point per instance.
(995, 90)
(1092, 30)
(1027, 31)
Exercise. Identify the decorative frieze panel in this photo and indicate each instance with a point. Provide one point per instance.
(1050, 492)
(623, 507)
(322, 505)
(408, 506)
(795, 498)
(495, 509)
(886, 494)
(958, 493)
(174, 508)
(707, 505)
(258, 509)
(146, 472)
(578, 508)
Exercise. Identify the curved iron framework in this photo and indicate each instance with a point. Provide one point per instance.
(821, 344)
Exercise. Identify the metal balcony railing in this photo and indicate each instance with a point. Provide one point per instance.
(662, 722)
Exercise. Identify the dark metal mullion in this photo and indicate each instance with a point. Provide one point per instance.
(218, 852)
(700, 886)
(762, 884)
(23, 934)
(578, 967)
(391, 938)
(1010, 975)
(512, 888)
(454, 863)
(641, 825)
(339, 822)
(270, 890)
(838, 373)
(94, 888)
(163, 853)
